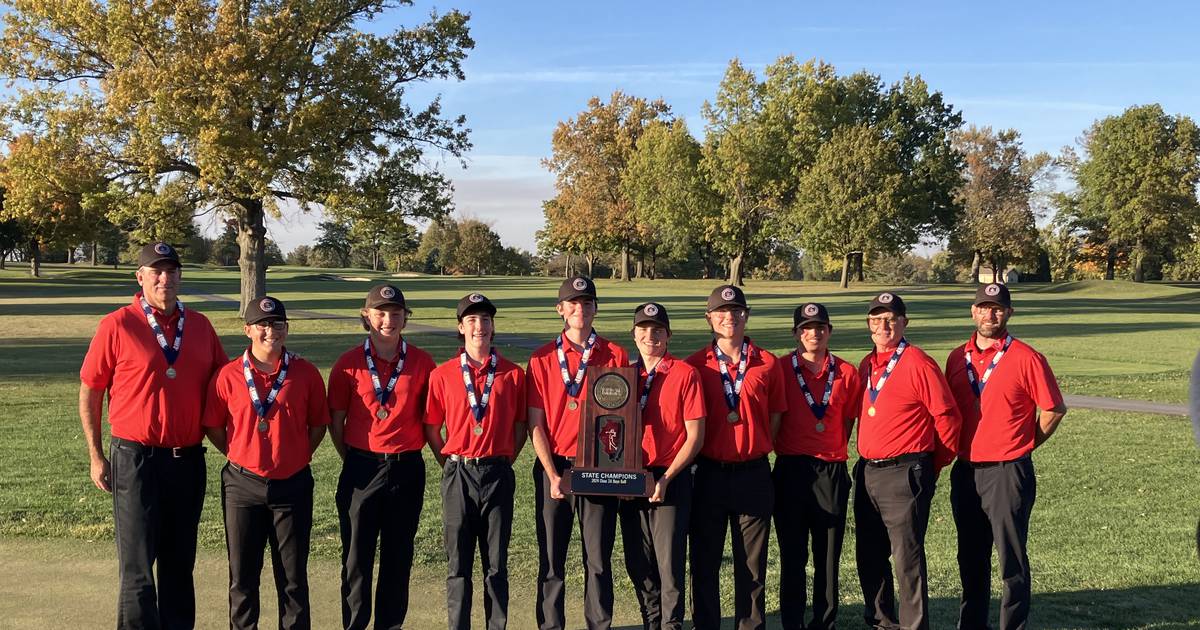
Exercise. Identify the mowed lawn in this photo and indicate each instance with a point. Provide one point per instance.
(1113, 534)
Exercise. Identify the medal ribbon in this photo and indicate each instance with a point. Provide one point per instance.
(649, 381)
(818, 410)
(574, 384)
(977, 384)
(733, 388)
(170, 352)
(478, 408)
(383, 393)
(264, 407)
(874, 389)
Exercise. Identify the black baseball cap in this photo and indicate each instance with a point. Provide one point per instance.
(576, 287)
(888, 301)
(726, 295)
(384, 294)
(474, 302)
(263, 309)
(993, 293)
(808, 313)
(156, 252)
(653, 313)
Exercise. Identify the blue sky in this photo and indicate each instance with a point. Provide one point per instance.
(1046, 69)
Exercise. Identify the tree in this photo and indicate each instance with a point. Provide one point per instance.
(1137, 183)
(999, 180)
(334, 242)
(224, 250)
(299, 257)
(11, 238)
(255, 106)
(479, 248)
(439, 246)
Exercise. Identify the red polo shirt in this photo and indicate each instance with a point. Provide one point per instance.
(1002, 425)
(798, 433)
(351, 390)
(914, 413)
(283, 449)
(545, 389)
(676, 396)
(125, 360)
(762, 395)
(448, 405)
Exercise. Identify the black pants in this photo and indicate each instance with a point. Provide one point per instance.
(477, 510)
(598, 533)
(737, 497)
(157, 499)
(811, 499)
(378, 502)
(259, 511)
(992, 505)
(891, 514)
(655, 537)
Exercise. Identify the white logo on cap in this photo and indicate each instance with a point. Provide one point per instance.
(810, 310)
(580, 284)
(885, 298)
(650, 310)
(266, 305)
(728, 293)
(475, 297)
(992, 290)
(387, 293)
(162, 249)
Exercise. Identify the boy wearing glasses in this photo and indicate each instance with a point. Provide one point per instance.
(266, 412)
(744, 399)
(908, 431)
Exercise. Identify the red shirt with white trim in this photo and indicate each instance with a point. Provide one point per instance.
(283, 449)
(676, 396)
(914, 413)
(545, 389)
(762, 394)
(351, 390)
(798, 434)
(1002, 425)
(125, 360)
(448, 405)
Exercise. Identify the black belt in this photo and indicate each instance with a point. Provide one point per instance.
(245, 472)
(385, 457)
(750, 463)
(907, 458)
(563, 460)
(480, 461)
(994, 464)
(165, 451)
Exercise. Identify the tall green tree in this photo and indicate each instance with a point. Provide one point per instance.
(439, 246)
(479, 248)
(334, 242)
(259, 106)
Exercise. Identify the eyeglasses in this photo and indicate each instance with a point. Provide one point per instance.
(736, 313)
(876, 322)
(277, 325)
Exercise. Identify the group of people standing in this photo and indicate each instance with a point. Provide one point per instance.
(710, 422)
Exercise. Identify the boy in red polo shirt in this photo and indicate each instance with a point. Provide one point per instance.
(479, 397)
(993, 484)
(556, 386)
(908, 431)
(266, 411)
(812, 485)
(377, 395)
(155, 381)
(744, 398)
(654, 529)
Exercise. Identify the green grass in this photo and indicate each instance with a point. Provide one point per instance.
(1113, 531)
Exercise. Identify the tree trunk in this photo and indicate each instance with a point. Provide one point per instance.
(735, 270)
(625, 263)
(3, 258)
(591, 263)
(845, 281)
(858, 267)
(35, 259)
(70, 255)
(654, 264)
(708, 262)
(374, 259)
(1139, 263)
(251, 239)
(1110, 263)
(95, 254)
(566, 265)
(976, 263)
(640, 269)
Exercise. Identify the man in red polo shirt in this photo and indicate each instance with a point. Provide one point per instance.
(744, 398)
(992, 485)
(654, 529)
(266, 412)
(155, 385)
(377, 394)
(908, 431)
(556, 390)
(812, 485)
(479, 397)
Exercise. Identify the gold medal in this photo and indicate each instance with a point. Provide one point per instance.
(732, 417)
(262, 426)
(171, 372)
(478, 430)
(871, 411)
(382, 414)
(820, 427)
(572, 405)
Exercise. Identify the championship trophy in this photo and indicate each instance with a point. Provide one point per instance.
(609, 458)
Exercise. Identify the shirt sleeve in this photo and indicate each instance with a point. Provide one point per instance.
(101, 358)
(216, 407)
(692, 392)
(423, 394)
(534, 385)
(854, 394)
(435, 411)
(340, 386)
(318, 405)
(1043, 387)
(946, 420)
(520, 389)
